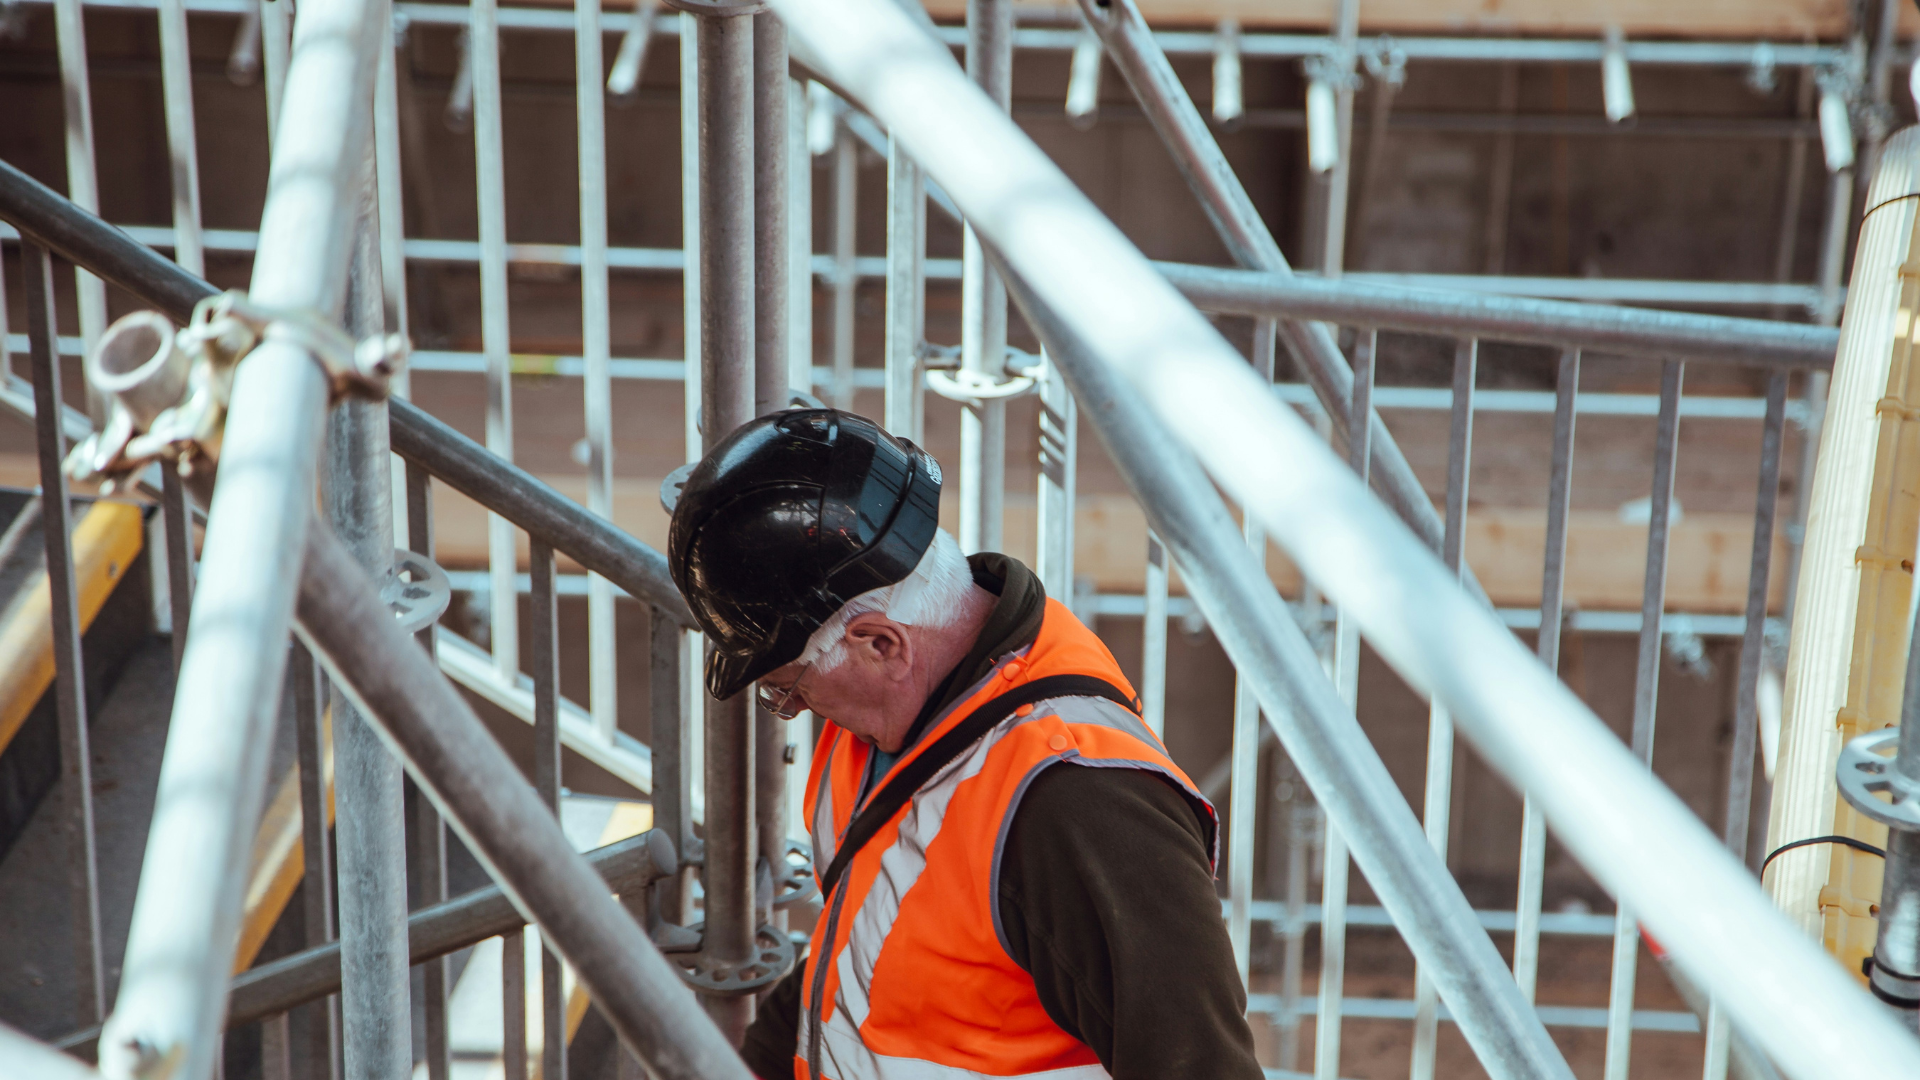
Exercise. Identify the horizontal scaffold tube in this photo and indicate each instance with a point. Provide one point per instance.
(1625, 827)
(488, 801)
(1559, 323)
(468, 467)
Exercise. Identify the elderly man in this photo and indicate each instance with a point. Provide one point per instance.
(1017, 879)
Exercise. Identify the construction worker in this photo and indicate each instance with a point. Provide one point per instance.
(1016, 877)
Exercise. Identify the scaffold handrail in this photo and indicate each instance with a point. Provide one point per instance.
(1603, 328)
(1169, 367)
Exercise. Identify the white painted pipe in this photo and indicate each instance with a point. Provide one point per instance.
(1323, 127)
(1083, 81)
(1616, 79)
(1836, 131)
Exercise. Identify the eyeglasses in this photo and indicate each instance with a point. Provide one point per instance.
(777, 700)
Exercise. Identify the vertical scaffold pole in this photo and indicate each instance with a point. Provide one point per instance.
(772, 389)
(727, 346)
(983, 309)
(357, 490)
(1646, 690)
(76, 760)
(1153, 640)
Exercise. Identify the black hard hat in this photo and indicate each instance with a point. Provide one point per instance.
(790, 517)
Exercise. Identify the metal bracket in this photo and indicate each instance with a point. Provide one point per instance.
(796, 883)
(773, 958)
(170, 389)
(418, 591)
(1866, 771)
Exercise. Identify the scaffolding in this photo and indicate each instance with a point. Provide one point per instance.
(321, 602)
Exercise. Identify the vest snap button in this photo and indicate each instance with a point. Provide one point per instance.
(1024, 710)
(1058, 742)
(1012, 670)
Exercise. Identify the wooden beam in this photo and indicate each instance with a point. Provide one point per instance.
(1707, 557)
(1777, 20)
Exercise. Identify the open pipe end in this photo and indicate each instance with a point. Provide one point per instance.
(138, 362)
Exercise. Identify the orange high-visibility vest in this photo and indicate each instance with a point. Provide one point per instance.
(909, 976)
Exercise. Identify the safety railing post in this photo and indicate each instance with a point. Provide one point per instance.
(543, 658)
(177, 522)
(672, 796)
(1437, 815)
(76, 760)
(1646, 693)
(1153, 640)
(427, 834)
(1243, 805)
(319, 1056)
(1533, 825)
(1336, 860)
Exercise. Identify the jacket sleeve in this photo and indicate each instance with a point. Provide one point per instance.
(1108, 901)
(775, 1031)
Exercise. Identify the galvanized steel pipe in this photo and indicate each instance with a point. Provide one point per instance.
(728, 336)
(1559, 323)
(186, 916)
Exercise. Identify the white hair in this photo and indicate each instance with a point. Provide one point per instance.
(932, 596)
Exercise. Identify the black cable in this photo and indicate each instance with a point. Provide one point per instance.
(1857, 845)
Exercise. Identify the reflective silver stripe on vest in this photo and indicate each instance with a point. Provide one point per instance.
(906, 859)
(843, 1056)
(902, 864)
(825, 842)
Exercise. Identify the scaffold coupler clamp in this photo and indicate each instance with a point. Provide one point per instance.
(169, 389)
(1871, 780)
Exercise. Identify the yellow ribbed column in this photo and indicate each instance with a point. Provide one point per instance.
(1852, 615)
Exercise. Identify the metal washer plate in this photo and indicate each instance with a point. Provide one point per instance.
(1864, 773)
(418, 591)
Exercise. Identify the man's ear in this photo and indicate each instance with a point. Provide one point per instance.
(883, 642)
